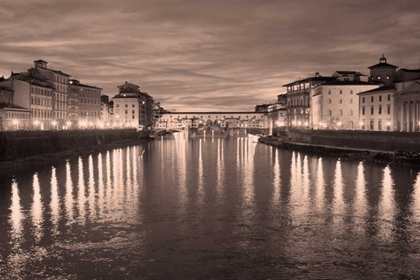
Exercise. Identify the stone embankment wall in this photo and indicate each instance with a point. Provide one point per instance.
(22, 144)
(375, 140)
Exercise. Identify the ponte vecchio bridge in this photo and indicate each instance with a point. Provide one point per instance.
(212, 121)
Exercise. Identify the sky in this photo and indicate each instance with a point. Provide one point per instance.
(207, 55)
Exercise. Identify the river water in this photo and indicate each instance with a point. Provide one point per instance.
(210, 208)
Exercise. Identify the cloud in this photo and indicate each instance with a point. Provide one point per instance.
(206, 55)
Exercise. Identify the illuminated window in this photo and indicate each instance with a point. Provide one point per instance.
(387, 77)
(379, 77)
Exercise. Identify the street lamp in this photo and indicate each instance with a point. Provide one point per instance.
(36, 123)
(54, 123)
(15, 123)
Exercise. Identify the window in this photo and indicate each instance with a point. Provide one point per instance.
(388, 109)
(329, 100)
(380, 98)
(371, 110)
(379, 124)
(389, 97)
(329, 113)
(329, 92)
(351, 101)
(340, 101)
(371, 124)
(371, 99)
(351, 91)
(380, 110)
(387, 77)
(341, 92)
(351, 112)
(340, 112)
(379, 77)
(363, 100)
(126, 105)
(133, 105)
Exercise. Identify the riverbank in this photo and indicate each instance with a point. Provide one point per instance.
(34, 163)
(346, 153)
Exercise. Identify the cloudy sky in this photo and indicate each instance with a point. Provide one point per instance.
(207, 55)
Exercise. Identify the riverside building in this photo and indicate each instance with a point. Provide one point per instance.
(335, 104)
(60, 81)
(298, 100)
(132, 108)
(89, 110)
(34, 94)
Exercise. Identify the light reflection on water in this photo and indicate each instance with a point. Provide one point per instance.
(203, 206)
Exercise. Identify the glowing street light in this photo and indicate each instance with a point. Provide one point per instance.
(54, 123)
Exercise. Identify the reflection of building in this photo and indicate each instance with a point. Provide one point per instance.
(89, 103)
(12, 117)
(298, 99)
(133, 108)
(335, 104)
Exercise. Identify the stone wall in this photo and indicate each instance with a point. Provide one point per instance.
(21, 144)
(375, 140)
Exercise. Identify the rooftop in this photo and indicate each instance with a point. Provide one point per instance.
(316, 78)
(379, 89)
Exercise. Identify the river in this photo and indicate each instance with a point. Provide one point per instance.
(210, 208)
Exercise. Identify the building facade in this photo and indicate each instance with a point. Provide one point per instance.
(60, 81)
(35, 94)
(12, 117)
(407, 102)
(335, 105)
(377, 109)
(298, 100)
(132, 108)
(89, 105)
